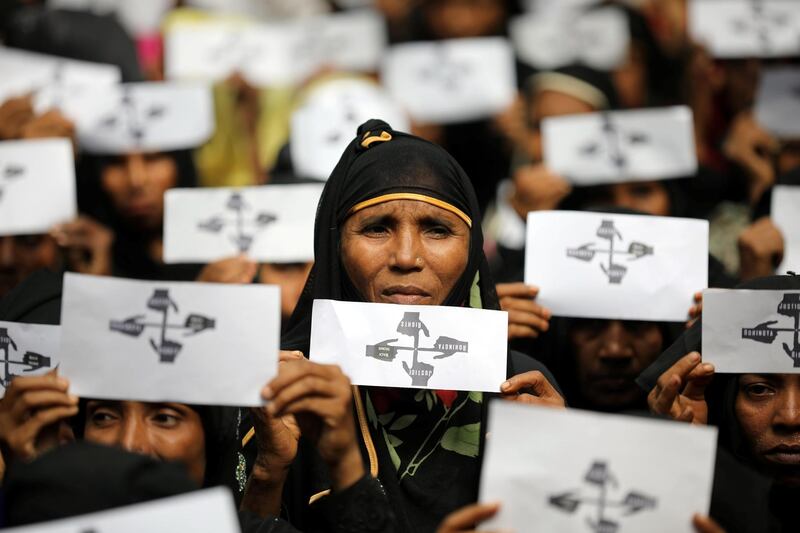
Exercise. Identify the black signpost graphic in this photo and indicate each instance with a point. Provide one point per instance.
(30, 360)
(616, 141)
(600, 476)
(765, 333)
(237, 51)
(241, 238)
(161, 302)
(445, 71)
(419, 371)
(614, 271)
(129, 115)
(9, 172)
(762, 23)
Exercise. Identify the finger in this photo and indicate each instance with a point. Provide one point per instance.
(50, 381)
(468, 516)
(528, 319)
(291, 371)
(27, 432)
(705, 524)
(697, 381)
(37, 399)
(290, 355)
(516, 290)
(681, 368)
(330, 410)
(315, 386)
(533, 380)
(527, 306)
(662, 398)
(516, 331)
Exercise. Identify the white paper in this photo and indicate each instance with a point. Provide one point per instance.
(148, 116)
(27, 350)
(626, 267)
(374, 344)
(327, 121)
(785, 213)
(275, 53)
(273, 223)
(454, 80)
(552, 468)
(598, 38)
(746, 28)
(556, 7)
(37, 185)
(207, 511)
(778, 101)
(219, 346)
(50, 78)
(751, 331)
(621, 146)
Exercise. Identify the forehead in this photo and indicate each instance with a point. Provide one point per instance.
(411, 210)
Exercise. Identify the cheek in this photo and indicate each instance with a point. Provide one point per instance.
(649, 347)
(362, 259)
(449, 259)
(163, 176)
(752, 419)
(106, 436)
(114, 183)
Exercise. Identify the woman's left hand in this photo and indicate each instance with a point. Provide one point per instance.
(531, 387)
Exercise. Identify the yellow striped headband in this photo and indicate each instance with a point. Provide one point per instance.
(411, 196)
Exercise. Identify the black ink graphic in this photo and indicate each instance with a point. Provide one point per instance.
(763, 22)
(9, 173)
(789, 306)
(420, 372)
(445, 71)
(600, 476)
(615, 142)
(242, 238)
(30, 360)
(161, 302)
(130, 118)
(236, 51)
(614, 271)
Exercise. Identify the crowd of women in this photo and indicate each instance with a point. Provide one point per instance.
(418, 217)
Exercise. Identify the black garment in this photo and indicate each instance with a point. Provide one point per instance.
(398, 163)
(720, 397)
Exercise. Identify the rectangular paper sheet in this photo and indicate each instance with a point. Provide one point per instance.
(551, 469)
(785, 213)
(196, 343)
(27, 350)
(751, 331)
(273, 223)
(778, 102)
(206, 511)
(746, 28)
(626, 267)
(621, 146)
(374, 344)
(455, 80)
(37, 186)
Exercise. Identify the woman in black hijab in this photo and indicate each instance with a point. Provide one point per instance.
(392, 205)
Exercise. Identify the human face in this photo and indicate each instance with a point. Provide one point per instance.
(291, 277)
(609, 355)
(136, 184)
(649, 197)
(21, 255)
(451, 19)
(405, 252)
(768, 411)
(551, 104)
(166, 431)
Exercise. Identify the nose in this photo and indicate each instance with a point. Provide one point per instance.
(406, 252)
(616, 348)
(133, 437)
(6, 251)
(787, 414)
(136, 170)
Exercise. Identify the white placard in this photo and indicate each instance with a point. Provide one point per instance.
(597, 38)
(621, 146)
(457, 348)
(273, 223)
(751, 331)
(454, 80)
(626, 267)
(27, 350)
(147, 116)
(778, 102)
(196, 343)
(206, 511)
(275, 53)
(785, 213)
(746, 28)
(50, 78)
(27, 170)
(326, 123)
(575, 471)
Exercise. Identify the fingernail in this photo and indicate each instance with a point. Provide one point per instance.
(266, 393)
(271, 409)
(708, 367)
(62, 382)
(694, 357)
(73, 398)
(505, 386)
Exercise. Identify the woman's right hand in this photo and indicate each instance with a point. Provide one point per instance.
(31, 404)
(238, 269)
(466, 519)
(680, 391)
(526, 318)
(87, 244)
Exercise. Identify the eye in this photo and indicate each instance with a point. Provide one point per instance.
(102, 417)
(439, 231)
(166, 418)
(759, 390)
(641, 190)
(375, 229)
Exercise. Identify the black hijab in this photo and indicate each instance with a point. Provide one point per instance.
(378, 162)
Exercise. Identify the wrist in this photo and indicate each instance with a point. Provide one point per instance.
(268, 474)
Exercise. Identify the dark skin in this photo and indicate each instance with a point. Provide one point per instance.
(649, 197)
(768, 410)
(609, 355)
(21, 255)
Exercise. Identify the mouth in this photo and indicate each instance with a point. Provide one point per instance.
(405, 294)
(785, 454)
(612, 383)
